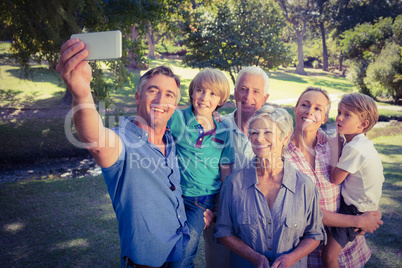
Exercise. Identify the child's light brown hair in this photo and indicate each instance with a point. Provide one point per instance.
(362, 105)
(214, 80)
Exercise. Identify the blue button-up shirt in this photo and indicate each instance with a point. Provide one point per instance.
(144, 186)
(244, 212)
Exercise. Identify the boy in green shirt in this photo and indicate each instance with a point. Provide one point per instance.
(205, 152)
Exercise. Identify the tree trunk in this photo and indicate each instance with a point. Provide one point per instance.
(67, 99)
(300, 56)
(340, 61)
(324, 48)
(232, 76)
(151, 44)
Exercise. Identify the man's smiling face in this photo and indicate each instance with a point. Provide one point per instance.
(249, 94)
(157, 102)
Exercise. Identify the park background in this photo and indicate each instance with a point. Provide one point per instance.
(54, 206)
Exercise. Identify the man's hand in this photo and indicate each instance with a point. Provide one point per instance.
(208, 218)
(75, 72)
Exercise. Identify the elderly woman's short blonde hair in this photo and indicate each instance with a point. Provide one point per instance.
(279, 116)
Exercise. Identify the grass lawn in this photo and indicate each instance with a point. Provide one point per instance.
(71, 223)
(385, 243)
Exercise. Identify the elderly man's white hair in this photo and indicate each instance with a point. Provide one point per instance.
(253, 70)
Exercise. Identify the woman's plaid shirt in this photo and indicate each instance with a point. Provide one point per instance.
(356, 253)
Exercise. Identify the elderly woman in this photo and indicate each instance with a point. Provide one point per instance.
(269, 212)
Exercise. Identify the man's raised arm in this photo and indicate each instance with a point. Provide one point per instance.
(104, 144)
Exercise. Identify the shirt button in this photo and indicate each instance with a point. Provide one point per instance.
(269, 237)
(270, 222)
(139, 137)
(200, 139)
(146, 134)
(295, 225)
(269, 248)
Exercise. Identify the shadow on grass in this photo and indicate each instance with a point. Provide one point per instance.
(319, 79)
(385, 242)
(332, 84)
(37, 83)
(58, 223)
(38, 74)
(284, 76)
(388, 149)
(33, 139)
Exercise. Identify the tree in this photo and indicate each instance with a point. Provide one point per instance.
(235, 34)
(40, 28)
(375, 50)
(323, 21)
(384, 74)
(298, 13)
(344, 15)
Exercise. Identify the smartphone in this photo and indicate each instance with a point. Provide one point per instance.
(101, 45)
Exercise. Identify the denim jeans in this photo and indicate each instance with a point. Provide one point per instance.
(195, 207)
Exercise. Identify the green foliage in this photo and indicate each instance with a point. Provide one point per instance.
(40, 28)
(384, 74)
(236, 34)
(356, 75)
(366, 40)
(367, 45)
(346, 14)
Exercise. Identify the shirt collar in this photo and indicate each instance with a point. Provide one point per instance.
(232, 122)
(289, 176)
(288, 180)
(140, 133)
(190, 117)
(322, 140)
(250, 174)
(359, 136)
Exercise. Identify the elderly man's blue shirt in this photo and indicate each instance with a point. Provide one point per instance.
(144, 186)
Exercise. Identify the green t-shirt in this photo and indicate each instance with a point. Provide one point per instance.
(200, 154)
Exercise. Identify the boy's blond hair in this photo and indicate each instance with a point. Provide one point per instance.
(362, 105)
(214, 80)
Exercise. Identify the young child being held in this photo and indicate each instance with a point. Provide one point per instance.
(204, 152)
(358, 168)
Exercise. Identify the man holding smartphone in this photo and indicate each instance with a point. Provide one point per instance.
(138, 160)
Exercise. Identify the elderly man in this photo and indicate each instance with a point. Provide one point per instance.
(251, 92)
(138, 161)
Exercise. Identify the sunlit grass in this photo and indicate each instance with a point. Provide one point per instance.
(44, 89)
(385, 242)
(14, 228)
